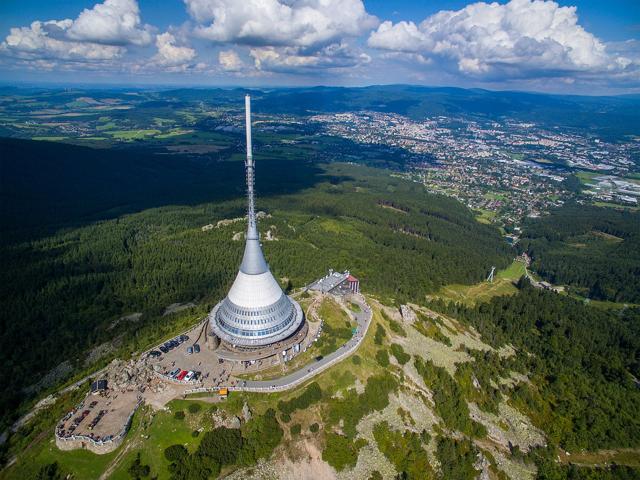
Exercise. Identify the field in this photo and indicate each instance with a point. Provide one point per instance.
(503, 284)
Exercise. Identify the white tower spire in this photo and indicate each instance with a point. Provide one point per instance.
(256, 312)
(252, 230)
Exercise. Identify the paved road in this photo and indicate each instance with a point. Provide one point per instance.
(363, 319)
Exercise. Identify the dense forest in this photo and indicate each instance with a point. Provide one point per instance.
(594, 250)
(583, 363)
(115, 233)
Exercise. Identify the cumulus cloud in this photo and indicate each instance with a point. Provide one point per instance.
(113, 22)
(99, 34)
(520, 38)
(170, 54)
(230, 61)
(295, 60)
(42, 40)
(301, 23)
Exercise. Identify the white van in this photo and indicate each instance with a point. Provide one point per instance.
(189, 376)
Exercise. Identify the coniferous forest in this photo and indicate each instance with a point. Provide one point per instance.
(93, 236)
(134, 243)
(596, 251)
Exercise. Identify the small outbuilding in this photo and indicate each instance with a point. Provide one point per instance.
(98, 386)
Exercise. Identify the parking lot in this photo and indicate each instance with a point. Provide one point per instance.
(186, 360)
(100, 416)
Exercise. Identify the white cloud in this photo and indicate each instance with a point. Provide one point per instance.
(113, 22)
(41, 40)
(98, 35)
(296, 60)
(230, 61)
(301, 23)
(169, 54)
(520, 38)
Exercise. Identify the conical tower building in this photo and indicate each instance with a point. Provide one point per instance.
(256, 312)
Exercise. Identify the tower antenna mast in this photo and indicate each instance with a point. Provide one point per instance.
(252, 228)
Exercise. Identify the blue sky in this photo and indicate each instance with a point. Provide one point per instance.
(571, 47)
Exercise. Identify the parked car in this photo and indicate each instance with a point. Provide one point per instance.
(181, 375)
(174, 372)
(189, 350)
(189, 376)
(154, 353)
(184, 338)
(164, 349)
(196, 348)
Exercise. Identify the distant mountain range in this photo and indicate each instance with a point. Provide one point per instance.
(609, 116)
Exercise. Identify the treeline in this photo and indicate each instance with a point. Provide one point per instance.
(583, 392)
(594, 250)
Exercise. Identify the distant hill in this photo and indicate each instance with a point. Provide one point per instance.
(609, 116)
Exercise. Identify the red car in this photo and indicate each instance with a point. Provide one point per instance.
(181, 375)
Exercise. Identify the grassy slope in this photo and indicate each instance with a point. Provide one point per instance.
(503, 284)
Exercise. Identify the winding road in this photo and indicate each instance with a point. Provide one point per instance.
(363, 319)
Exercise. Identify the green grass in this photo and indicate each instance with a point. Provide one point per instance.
(107, 126)
(354, 307)
(48, 139)
(616, 205)
(485, 216)
(163, 430)
(503, 284)
(337, 327)
(174, 132)
(627, 456)
(133, 134)
(586, 177)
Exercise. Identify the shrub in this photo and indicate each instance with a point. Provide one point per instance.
(356, 360)
(397, 328)
(353, 407)
(380, 334)
(194, 408)
(401, 356)
(50, 471)
(261, 436)
(195, 434)
(296, 429)
(404, 451)
(340, 452)
(314, 428)
(457, 458)
(312, 394)
(221, 445)
(137, 471)
(382, 357)
(179, 415)
(448, 398)
(175, 453)
(285, 417)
